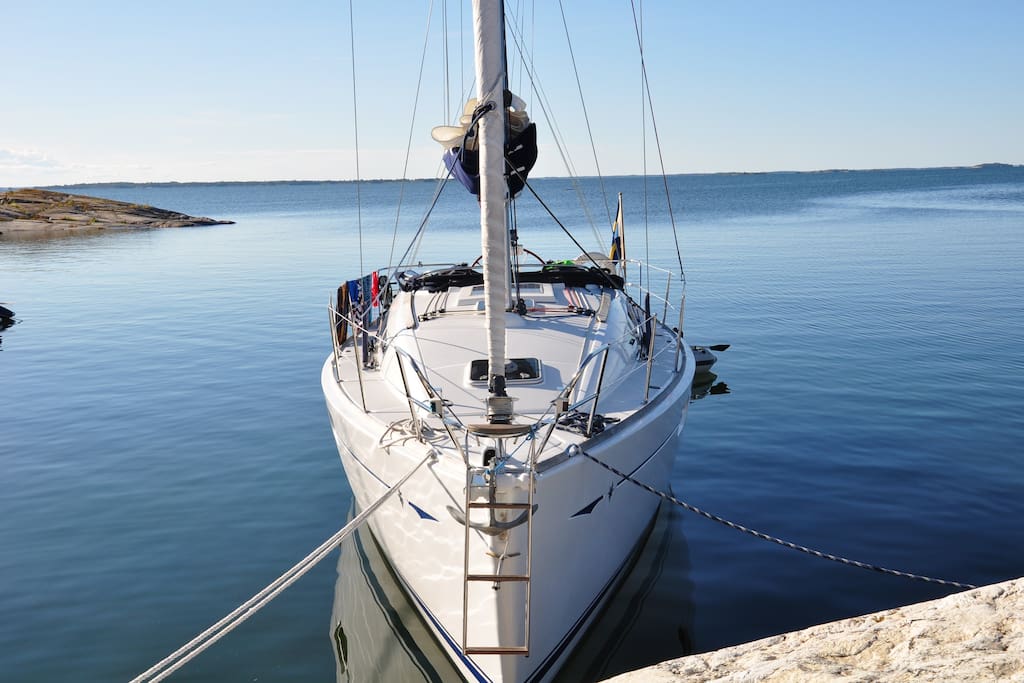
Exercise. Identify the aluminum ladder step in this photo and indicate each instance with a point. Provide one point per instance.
(514, 650)
(474, 475)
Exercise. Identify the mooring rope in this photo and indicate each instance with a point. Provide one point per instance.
(194, 647)
(773, 539)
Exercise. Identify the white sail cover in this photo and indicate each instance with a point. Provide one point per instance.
(490, 68)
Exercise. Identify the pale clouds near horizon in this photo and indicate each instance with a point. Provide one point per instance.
(225, 91)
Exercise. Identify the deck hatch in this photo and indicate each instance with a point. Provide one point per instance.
(517, 370)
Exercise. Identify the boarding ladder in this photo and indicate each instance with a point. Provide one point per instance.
(482, 482)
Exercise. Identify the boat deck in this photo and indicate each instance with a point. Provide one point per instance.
(441, 334)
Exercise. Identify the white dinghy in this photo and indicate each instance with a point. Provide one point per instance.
(498, 386)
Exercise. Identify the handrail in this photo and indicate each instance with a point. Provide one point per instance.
(650, 357)
(351, 321)
(600, 383)
(670, 277)
(603, 350)
(666, 299)
(436, 404)
(335, 316)
(332, 319)
(409, 398)
(436, 400)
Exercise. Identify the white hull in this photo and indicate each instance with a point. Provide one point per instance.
(587, 521)
(493, 396)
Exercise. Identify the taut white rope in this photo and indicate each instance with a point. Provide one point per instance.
(191, 649)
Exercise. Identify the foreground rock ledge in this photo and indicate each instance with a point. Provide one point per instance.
(41, 211)
(977, 635)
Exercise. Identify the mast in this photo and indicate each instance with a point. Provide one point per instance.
(489, 48)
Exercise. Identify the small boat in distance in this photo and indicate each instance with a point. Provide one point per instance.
(489, 391)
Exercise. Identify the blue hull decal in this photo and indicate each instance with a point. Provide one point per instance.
(588, 509)
(584, 619)
(421, 512)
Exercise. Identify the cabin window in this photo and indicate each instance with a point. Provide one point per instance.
(516, 370)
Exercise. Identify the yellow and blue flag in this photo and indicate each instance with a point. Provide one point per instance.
(618, 249)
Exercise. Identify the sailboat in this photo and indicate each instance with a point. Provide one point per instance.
(506, 403)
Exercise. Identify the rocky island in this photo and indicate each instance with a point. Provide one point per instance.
(44, 211)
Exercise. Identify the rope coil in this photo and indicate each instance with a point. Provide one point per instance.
(773, 539)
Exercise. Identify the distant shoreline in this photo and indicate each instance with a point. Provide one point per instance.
(176, 183)
(35, 211)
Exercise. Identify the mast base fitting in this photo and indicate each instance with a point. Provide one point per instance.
(499, 409)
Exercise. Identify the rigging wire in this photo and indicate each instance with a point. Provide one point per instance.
(643, 144)
(586, 117)
(355, 124)
(408, 145)
(657, 139)
(462, 54)
(566, 230)
(558, 137)
(533, 32)
(442, 174)
(444, 59)
(519, 16)
(515, 29)
(418, 236)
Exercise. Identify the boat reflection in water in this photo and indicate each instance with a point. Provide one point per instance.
(6, 319)
(706, 384)
(377, 635)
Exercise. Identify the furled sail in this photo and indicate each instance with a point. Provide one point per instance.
(490, 77)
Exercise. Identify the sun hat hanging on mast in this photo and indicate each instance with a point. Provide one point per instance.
(461, 144)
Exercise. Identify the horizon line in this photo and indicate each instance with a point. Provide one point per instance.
(980, 166)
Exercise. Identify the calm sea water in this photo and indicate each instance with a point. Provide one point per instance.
(166, 452)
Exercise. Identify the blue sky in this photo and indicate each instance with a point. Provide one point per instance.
(206, 91)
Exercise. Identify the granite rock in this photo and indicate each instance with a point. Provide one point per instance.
(977, 636)
(45, 211)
